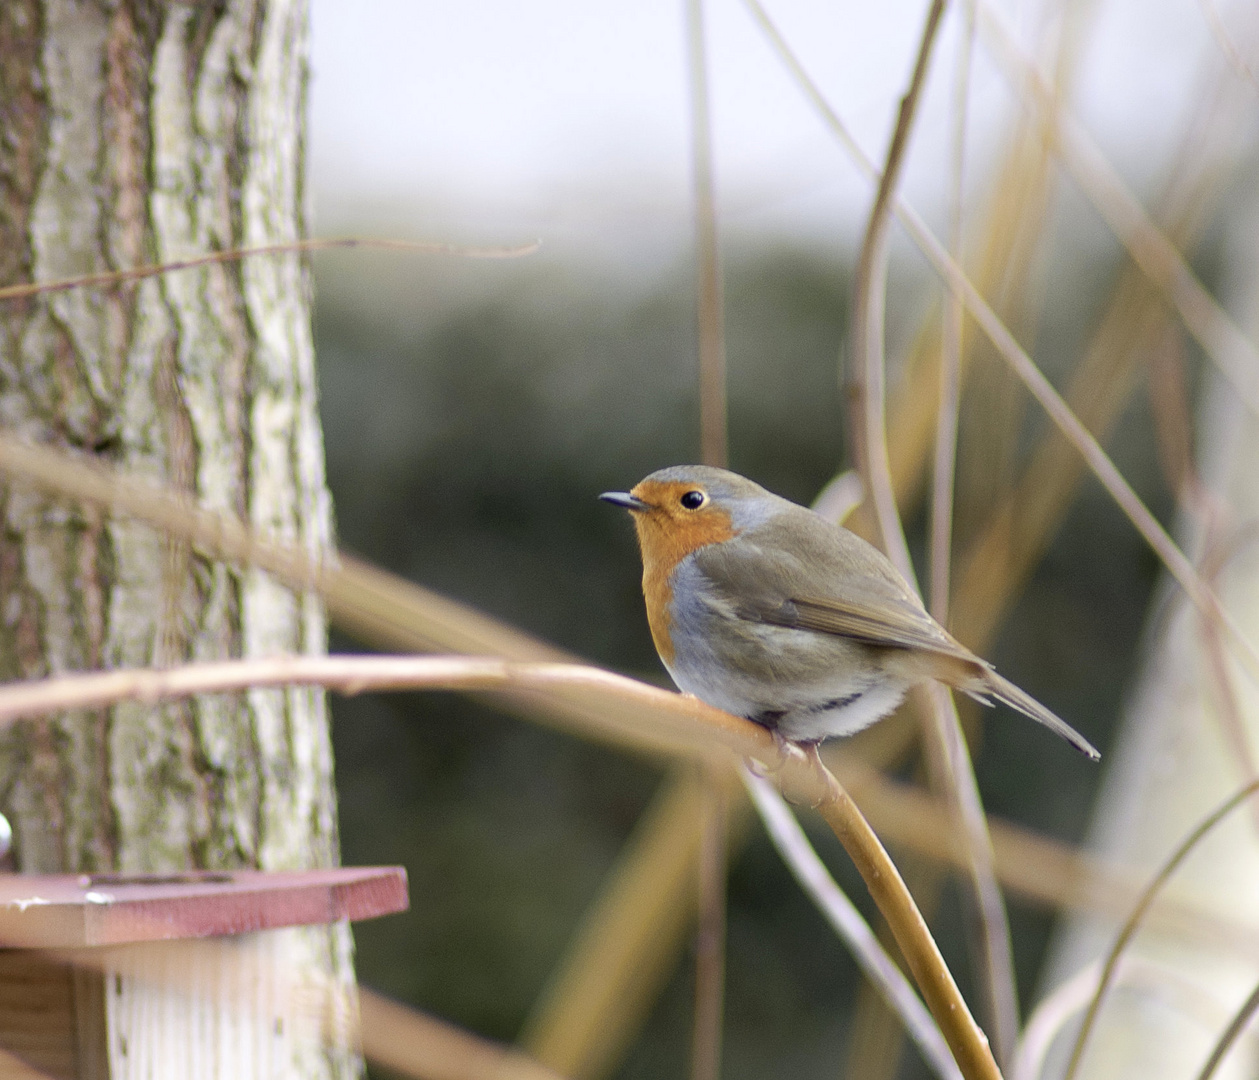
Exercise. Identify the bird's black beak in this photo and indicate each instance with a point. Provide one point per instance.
(625, 499)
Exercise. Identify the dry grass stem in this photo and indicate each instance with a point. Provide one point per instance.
(710, 933)
(712, 343)
(1056, 1011)
(618, 708)
(993, 946)
(950, 762)
(629, 713)
(951, 344)
(628, 941)
(868, 310)
(803, 862)
(1220, 337)
(120, 277)
(1231, 1034)
(1137, 915)
(966, 1039)
(1049, 399)
(1037, 868)
(380, 608)
(1225, 42)
(710, 945)
(413, 1044)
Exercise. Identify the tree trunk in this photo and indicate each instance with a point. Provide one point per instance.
(141, 131)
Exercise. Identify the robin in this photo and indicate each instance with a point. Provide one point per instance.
(762, 608)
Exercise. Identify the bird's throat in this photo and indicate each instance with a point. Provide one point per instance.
(664, 544)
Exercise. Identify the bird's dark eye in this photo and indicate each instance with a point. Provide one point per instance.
(693, 500)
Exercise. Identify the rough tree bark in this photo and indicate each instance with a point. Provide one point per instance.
(140, 131)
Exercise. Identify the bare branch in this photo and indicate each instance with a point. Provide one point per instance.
(411, 1043)
(119, 277)
(1231, 1034)
(712, 339)
(951, 766)
(624, 710)
(1042, 390)
(1220, 337)
(1134, 919)
(803, 862)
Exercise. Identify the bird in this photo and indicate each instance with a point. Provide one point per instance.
(763, 608)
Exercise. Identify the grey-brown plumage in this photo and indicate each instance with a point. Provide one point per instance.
(773, 613)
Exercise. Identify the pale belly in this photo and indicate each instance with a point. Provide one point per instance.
(806, 686)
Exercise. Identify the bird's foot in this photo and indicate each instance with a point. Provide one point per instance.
(784, 751)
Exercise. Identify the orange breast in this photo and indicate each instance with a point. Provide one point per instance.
(667, 534)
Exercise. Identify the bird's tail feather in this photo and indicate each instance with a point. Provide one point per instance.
(1003, 690)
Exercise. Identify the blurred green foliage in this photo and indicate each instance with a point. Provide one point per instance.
(472, 412)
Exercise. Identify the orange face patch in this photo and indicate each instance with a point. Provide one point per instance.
(667, 534)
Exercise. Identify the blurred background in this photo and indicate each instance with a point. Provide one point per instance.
(474, 409)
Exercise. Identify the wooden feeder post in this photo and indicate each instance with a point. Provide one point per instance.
(202, 962)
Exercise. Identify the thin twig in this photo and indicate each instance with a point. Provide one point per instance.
(710, 942)
(1220, 337)
(1035, 867)
(997, 956)
(795, 850)
(952, 767)
(1042, 390)
(623, 710)
(710, 933)
(624, 949)
(950, 345)
(712, 345)
(1133, 922)
(1231, 1034)
(996, 951)
(412, 1043)
(118, 277)
(1225, 41)
(868, 306)
(651, 723)
(966, 1039)
(1057, 1009)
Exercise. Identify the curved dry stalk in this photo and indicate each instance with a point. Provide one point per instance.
(119, 277)
(623, 951)
(618, 708)
(868, 308)
(710, 940)
(951, 344)
(382, 608)
(712, 344)
(411, 1043)
(1231, 1034)
(810, 872)
(1050, 1016)
(1097, 460)
(1220, 337)
(950, 762)
(631, 713)
(1225, 42)
(1042, 870)
(1134, 920)
(1057, 1009)
(710, 932)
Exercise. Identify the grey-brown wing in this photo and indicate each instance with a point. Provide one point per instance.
(808, 575)
(885, 621)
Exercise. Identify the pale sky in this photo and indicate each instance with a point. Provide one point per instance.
(562, 118)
